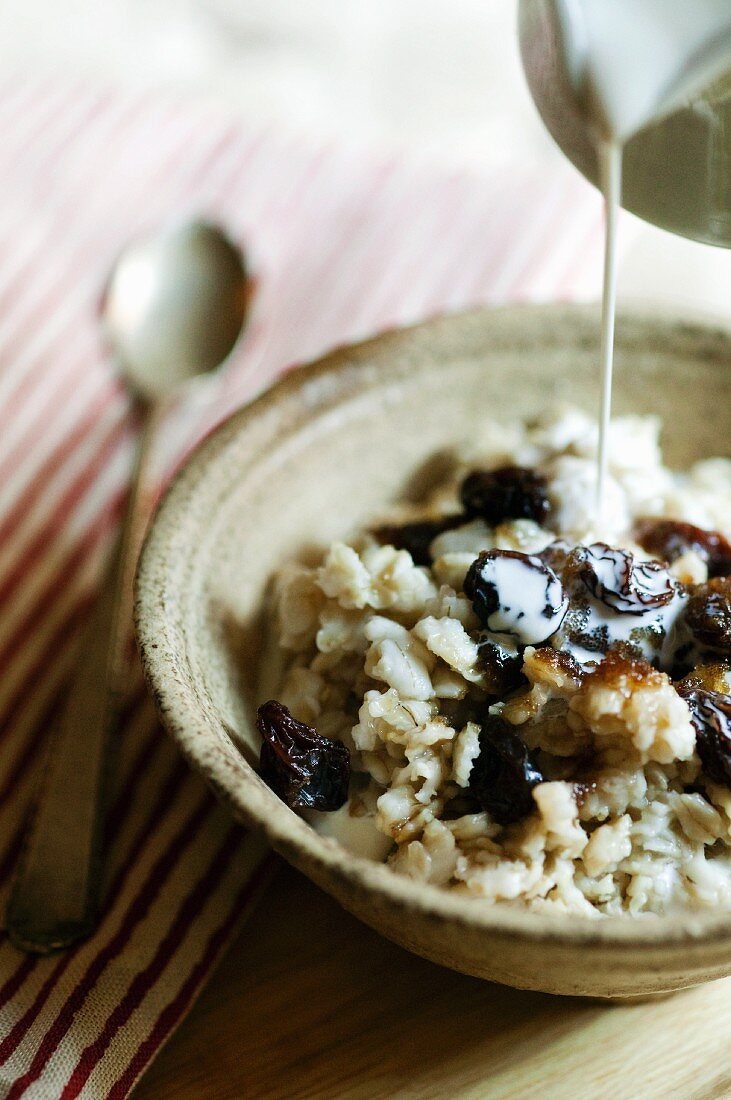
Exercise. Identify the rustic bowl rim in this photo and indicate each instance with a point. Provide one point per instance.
(184, 719)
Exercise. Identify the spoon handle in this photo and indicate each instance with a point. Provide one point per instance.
(54, 899)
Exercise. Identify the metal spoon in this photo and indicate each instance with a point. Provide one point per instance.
(174, 307)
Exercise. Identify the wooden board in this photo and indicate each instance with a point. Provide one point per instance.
(311, 1004)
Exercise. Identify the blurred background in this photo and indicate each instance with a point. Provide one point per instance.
(440, 77)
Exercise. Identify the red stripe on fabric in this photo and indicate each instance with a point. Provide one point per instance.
(19, 1030)
(499, 242)
(541, 242)
(176, 1009)
(188, 911)
(31, 553)
(41, 609)
(135, 913)
(540, 263)
(61, 385)
(115, 144)
(35, 735)
(62, 250)
(474, 280)
(68, 627)
(39, 725)
(85, 248)
(303, 318)
(461, 238)
(20, 136)
(75, 255)
(381, 272)
(117, 812)
(404, 297)
(18, 97)
(32, 748)
(9, 860)
(40, 110)
(117, 430)
(69, 624)
(166, 796)
(333, 321)
(14, 982)
(97, 528)
(15, 772)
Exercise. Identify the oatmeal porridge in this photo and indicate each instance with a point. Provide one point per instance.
(499, 695)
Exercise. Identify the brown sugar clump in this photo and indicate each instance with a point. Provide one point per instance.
(633, 712)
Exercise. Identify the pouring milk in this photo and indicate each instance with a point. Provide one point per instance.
(616, 75)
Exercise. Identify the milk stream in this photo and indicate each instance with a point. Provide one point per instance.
(610, 164)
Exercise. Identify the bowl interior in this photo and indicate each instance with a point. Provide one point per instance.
(321, 454)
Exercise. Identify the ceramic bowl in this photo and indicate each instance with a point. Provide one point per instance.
(312, 460)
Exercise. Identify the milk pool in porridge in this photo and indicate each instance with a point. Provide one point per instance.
(499, 695)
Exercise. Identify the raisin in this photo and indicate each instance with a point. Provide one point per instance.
(710, 713)
(708, 614)
(305, 769)
(501, 667)
(417, 537)
(460, 806)
(503, 775)
(516, 594)
(458, 712)
(557, 555)
(622, 583)
(669, 539)
(510, 492)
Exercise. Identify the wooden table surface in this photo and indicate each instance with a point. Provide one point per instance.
(310, 1003)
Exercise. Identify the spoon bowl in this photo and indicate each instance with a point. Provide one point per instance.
(314, 459)
(174, 306)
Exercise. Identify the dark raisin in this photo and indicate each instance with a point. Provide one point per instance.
(511, 492)
(459, 806)
(305, 769)
(503, 775)
(708, 614)
(669, 539)
(417, 537)
(501, 667)
(516, 594)
(458, 712)
(622, 583)
(710, 713)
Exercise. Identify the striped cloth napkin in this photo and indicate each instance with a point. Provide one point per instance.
(345, 243)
